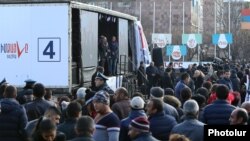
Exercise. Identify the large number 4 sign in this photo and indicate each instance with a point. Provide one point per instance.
(49, 49)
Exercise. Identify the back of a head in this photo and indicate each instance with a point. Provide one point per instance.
(141, 123)
(186, 93)
(137, 103)
(203, 91)
(222, 92)
(169, 91)
(48, 94)
(184, 76)
(246, 105)
(85, 124)
(156, 92)
(45, 125)
(73, 109)
(123, 90)
(207, 85)
(178, 137)
(200, 99)
(242, 113)
(157, 104)
(52, 111)
(10, 92)
(191, 107)
(38, 90)
(81, 93)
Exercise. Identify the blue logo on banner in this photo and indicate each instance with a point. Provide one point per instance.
(169, 50)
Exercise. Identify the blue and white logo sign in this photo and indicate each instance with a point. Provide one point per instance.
(191, 40)
(161, 40)
(176, 51)
(222, 40)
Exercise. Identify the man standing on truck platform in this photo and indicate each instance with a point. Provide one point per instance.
(113, 53)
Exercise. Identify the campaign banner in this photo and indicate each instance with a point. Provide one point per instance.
(191, 40)
(222, 40)
(176, 51)
(161, 40)
(181, 64)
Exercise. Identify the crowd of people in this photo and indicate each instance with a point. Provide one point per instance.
(172, 108)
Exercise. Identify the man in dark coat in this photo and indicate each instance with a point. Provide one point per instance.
(161, 124)
(36, 108)
(151, 72)
(141, 75)
(137, 110)
(13, 118)
(218, 113)
(74, 111)
(113, 53)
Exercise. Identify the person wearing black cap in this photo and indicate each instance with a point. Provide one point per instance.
(88, 108)
(100, 82)
(26, 95)
(99, 69)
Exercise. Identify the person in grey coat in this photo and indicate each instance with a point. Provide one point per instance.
(191, 127)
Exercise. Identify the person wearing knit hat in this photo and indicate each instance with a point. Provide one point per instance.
(139, 130)
(107, 122)
(141, 124)
(137, 110)
(101, 97)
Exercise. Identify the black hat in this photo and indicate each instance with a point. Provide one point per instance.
(101, 76)
(89, 96)
(30, 81)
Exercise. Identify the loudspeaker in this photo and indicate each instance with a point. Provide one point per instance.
(157, 56)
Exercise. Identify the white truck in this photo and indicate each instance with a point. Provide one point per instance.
(57, 43)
